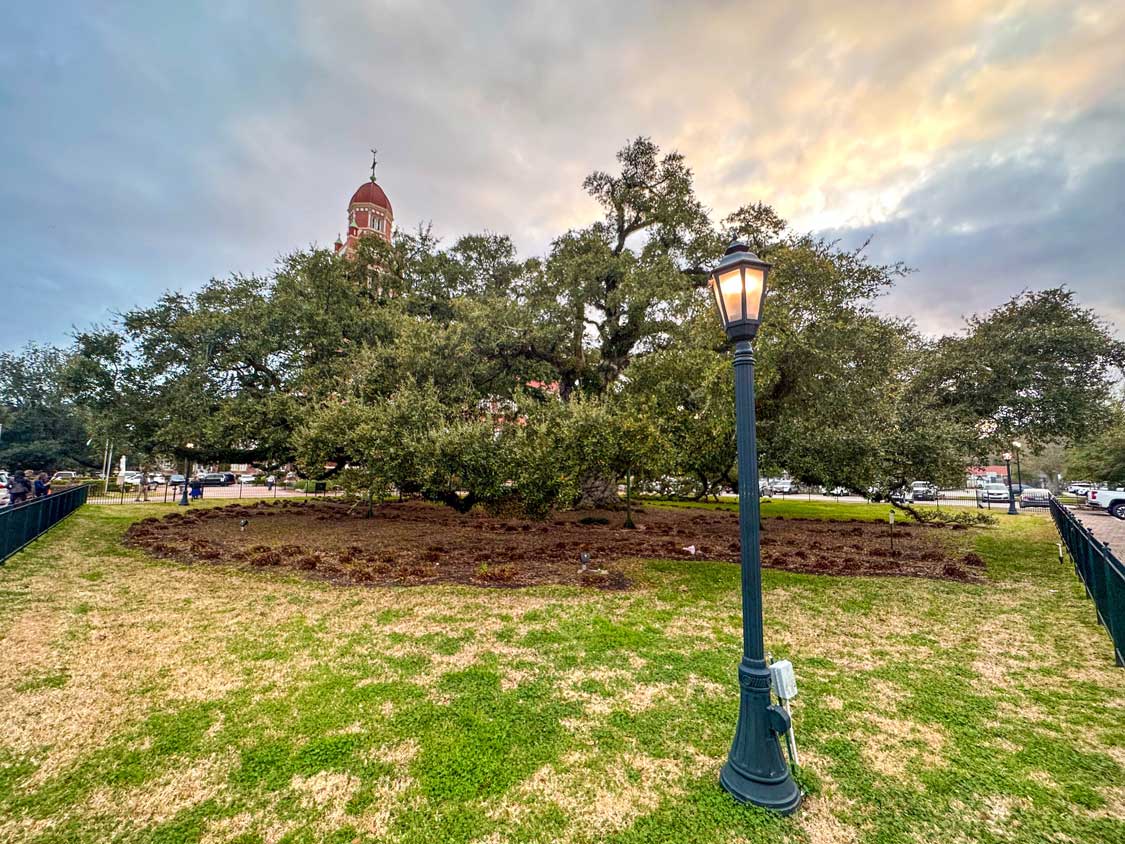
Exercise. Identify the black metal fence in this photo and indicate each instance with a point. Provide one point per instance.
(21, 523)
(1036, 502)
(171, 493)
(1101, 572)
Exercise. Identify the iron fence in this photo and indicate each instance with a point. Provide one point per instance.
(982, 500)
(171, 493)
(1100, 571)
(21, 523)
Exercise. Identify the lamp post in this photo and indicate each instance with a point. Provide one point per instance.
(183, 493)
(1012, 511)
(1017, 445)
(755, 771)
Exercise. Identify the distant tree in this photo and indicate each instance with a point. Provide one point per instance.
(1039, 368)
(42, 429)
(1102, 456)
(123, 400)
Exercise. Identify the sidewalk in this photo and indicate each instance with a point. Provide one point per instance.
(1106, 528)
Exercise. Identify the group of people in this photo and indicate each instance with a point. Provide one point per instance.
(23, 486)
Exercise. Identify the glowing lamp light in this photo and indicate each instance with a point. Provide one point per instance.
(739, 284)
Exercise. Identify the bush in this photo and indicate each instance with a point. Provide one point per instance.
(951, 516)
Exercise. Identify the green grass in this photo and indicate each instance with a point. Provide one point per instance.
(795, 508)
(151, 702)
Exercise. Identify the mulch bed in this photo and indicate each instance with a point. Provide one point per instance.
(416, 543)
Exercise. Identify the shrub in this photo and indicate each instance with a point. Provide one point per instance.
(497, 574)
(951, 516)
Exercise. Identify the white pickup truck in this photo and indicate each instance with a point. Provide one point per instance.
(1108, 499)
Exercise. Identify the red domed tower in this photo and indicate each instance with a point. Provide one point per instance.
(369, 213)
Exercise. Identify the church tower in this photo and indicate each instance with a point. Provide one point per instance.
(369, 214)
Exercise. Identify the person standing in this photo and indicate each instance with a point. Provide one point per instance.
(42, 485)
(19, 487)
(270, 481)
(142, 485)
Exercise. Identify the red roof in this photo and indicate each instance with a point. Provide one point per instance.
(372, 194)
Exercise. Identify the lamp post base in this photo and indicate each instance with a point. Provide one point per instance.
(755, 771)
(782, 797)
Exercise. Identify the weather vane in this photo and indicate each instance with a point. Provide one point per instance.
(374, 161)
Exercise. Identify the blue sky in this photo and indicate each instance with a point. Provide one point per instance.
(152, 146)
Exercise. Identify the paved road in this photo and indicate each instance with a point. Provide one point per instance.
(950, 498)
(171, 495)
(1106, 528)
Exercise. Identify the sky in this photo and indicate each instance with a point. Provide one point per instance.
(152, 146)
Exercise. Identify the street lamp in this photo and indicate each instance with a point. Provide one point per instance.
(183, 494)
(1017, 445)
(755, 771)
(1012, 511)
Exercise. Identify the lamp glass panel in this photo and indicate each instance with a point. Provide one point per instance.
(730, 288)
(755, 278)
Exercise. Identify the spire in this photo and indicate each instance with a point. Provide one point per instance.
(374, 161)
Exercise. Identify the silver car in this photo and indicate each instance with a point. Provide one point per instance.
(994, 492)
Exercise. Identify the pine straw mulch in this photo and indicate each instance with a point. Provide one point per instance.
(415, 543)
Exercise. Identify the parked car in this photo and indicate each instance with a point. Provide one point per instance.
(134, 479)
(176, 480)
(993, 492)
(1035, 497)
(783, 486)
(923, 491)
(247, 479)
(5, 496)
(64, 477)
(217, 479)
(1110, 500)
(1080, 488)
(901, 496)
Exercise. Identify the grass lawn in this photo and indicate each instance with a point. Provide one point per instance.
(149, 701)
(795, 508)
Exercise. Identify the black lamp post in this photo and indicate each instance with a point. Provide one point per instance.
(1016, 444)
(1012, 511)
(183, 494)
(755, 771)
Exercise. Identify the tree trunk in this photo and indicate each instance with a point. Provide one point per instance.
(598, 492)
(629, 500)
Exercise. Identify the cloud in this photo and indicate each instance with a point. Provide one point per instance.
(159, 147)
(987, 224)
